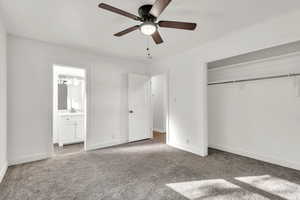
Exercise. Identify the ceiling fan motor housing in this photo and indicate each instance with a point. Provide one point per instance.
(144, 13)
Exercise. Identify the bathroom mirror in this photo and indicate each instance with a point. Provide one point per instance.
(62, 96)
(70, 94)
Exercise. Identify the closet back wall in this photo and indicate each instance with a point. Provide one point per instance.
(30, 96)
(259, 119)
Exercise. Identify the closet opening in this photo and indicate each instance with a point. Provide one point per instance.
(253, 99)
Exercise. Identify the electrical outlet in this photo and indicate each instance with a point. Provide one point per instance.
(187, 141)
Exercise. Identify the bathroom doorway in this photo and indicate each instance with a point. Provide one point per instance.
(69, 110)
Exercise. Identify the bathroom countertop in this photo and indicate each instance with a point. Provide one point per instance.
(70, 114)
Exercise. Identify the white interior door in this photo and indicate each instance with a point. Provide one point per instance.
(139, 104)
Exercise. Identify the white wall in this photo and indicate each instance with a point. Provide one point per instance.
(187, 87)
(186, 105)
(259, 119)
(30, 96)
(188, 115)
(159, 90)
(3, 102)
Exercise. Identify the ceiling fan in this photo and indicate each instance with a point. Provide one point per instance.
(148, 15)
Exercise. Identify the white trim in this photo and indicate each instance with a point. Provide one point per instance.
(87, 101)
(187, 148)
(204, 111)
(88, 104)
(253, 61)
(167, 82)
(3, 171)
(104, 145)
(29, 158)
(271, 160)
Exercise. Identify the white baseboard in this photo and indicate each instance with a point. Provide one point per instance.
(3, 171)
(256, 156)
(187, 148)
(104, 144)
(30, 158)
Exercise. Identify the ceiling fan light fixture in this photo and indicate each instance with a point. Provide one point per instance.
(148, 28)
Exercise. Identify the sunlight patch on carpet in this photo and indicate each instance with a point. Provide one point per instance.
(274, 185)
(217, 189)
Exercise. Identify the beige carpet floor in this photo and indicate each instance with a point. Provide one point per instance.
(149, 170)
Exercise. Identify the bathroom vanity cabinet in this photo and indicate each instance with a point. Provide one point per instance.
(71, 128)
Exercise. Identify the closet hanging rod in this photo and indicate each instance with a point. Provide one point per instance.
(255, 79)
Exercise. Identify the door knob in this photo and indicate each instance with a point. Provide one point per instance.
(131, 111)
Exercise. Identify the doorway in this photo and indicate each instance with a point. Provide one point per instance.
(69, 110)
(159, 100)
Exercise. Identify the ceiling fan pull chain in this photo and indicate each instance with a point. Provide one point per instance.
(148, 50)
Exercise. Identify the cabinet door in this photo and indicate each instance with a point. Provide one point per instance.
(67, 133)
(79, 130)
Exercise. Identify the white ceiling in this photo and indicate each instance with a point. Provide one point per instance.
(80, 23)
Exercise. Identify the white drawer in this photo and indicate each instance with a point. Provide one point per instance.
(71, 118)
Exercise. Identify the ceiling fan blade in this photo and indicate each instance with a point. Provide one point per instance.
(119, 11)
(158, 7)
(127, 31)
(157, 38)
(178, 25)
